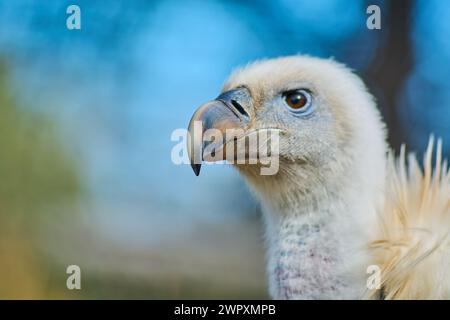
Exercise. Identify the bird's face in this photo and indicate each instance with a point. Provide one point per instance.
(315, 107)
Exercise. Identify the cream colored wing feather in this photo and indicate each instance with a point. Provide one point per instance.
(413, 248)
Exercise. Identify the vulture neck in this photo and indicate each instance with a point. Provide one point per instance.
(317, 233)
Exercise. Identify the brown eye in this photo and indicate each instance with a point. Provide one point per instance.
(298, 100)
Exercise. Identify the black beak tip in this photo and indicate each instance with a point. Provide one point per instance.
(196, 168)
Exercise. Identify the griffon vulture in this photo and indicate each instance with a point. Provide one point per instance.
(341, 205)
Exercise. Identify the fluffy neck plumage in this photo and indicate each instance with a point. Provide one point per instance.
(318, 225)
(317, 251)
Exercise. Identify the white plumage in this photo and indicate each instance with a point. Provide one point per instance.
(412, 244)
(339, 202)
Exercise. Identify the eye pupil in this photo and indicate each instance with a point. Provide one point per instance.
(296, 100)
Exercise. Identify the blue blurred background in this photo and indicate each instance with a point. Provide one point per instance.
(86, 118)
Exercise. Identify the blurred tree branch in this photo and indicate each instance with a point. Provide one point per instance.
(392, 62)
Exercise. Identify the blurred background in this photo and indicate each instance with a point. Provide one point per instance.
(86, 118)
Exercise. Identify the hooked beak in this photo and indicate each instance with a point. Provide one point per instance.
(227, 111)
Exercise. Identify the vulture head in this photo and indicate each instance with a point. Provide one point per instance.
(337, 204)
(326, 122)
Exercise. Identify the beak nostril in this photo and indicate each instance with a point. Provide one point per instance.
(239, 108)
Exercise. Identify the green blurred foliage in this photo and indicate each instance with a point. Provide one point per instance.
(35, 169)
(36, 173)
